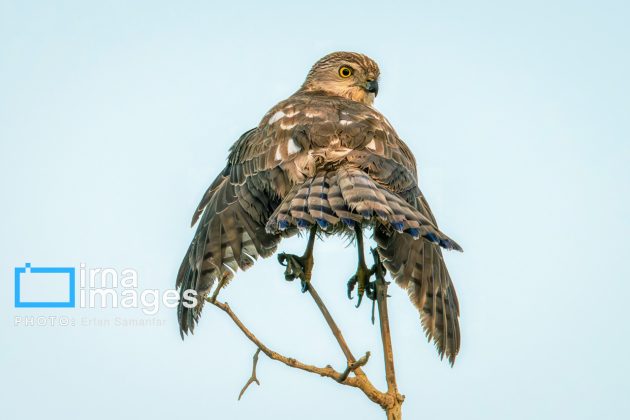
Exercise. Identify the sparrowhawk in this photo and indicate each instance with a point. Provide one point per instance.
(324, 160)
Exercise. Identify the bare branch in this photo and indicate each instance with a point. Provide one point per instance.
(252, 378)
(333, 325)
(391, 401)
(217, 290)
(327, 371)
(381, 299)
(358, 381)
(393, 409)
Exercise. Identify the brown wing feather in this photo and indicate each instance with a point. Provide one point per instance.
(283, 158)
(416, 265)
(231, 232)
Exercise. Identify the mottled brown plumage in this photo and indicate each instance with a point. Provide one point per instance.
(324, 156)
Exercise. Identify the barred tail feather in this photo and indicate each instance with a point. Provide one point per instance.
(350, 195)
(337, 202)
(361, 195)
(299, 205)
(319, 206)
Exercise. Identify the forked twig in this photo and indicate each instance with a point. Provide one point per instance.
(326, 371)
(252, 378)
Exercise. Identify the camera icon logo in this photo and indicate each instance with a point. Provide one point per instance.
(44, 287)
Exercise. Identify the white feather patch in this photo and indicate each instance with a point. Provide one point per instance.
(293, 147)
(371, 145)
(276, 117)
(345, 122)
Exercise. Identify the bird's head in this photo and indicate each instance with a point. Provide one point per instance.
(347, 74)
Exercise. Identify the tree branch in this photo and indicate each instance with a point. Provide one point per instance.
(391, 401)
(333, 327)
(353, 367)
(326, 371)
(393, 410)
(217, 290)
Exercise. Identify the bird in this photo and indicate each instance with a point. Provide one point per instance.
(326, 162)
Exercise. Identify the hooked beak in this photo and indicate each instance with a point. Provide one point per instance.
(371, 86)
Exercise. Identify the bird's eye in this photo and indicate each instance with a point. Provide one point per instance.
(345, 72)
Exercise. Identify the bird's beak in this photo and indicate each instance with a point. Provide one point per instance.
(371, 86)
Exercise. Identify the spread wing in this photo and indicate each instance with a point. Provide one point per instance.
(295, 139)
(417, 265)
(231, 231)
(262, 166)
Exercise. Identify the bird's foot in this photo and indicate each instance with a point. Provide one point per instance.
(361, 279)
(297, 267)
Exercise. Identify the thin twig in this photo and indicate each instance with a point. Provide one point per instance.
(252, 378)
(217, 290)
(357, 381)
(381, 298)
(289, 361)
(353, 367)
(394, 408)
(333, 326)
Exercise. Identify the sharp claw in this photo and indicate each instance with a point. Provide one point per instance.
(373, 310)
(293, 266)
(360, 299)
(351, 283)
(300, 266)
(289, 274)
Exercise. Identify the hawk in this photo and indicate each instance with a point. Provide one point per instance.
(324, 160)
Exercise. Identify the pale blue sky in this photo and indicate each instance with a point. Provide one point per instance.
(114, 117)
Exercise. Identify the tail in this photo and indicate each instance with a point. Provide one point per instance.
(418, 267)
(407, 237)
(349, 195)
(230, 235)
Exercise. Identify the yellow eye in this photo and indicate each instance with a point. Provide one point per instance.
(345, 72)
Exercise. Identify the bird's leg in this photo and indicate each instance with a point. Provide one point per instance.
(300, 267)
(362, 277)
